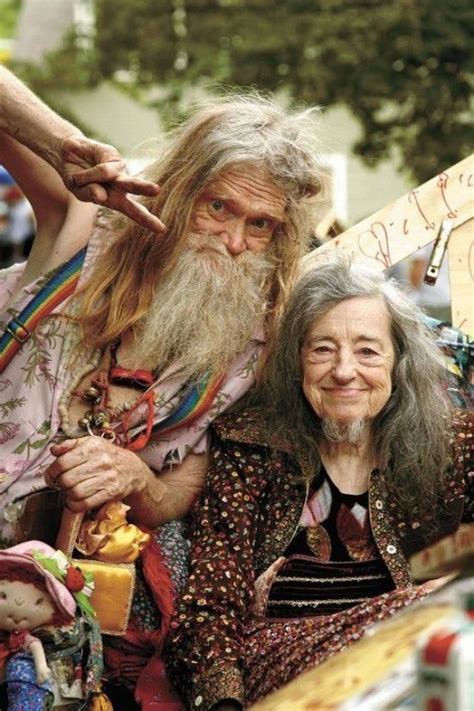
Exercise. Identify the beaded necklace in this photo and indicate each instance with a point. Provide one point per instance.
(103, 420)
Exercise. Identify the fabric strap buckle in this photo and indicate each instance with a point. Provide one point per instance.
(18, 330)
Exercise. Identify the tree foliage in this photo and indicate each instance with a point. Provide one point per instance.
(403, 67)
(9, 10)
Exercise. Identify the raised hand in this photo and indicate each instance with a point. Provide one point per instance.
(95, 172)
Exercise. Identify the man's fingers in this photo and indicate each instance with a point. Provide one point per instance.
(139, 214)
(79, 488)
(68, 455)
(104, 177)
(114, 196)
(92, 502)
(65, 446)
(85, 152)
(137, 186)
(102, 173)
(92, 193)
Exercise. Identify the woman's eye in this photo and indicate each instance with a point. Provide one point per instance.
(217, 205)
(3, 595)
(367, 352)
(320, 353)
(39, 601)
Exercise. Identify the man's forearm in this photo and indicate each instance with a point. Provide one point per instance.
(31, 122)
(169, 495)
(147, 502)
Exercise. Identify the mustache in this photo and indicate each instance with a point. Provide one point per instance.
(205, 243)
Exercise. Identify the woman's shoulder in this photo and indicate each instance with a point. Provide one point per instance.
(462, 424)
(244, 425)
(463, 435)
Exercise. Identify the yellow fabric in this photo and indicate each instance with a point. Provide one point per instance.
(108, 537)
(100, 702)
(113, 593)
(111, 546)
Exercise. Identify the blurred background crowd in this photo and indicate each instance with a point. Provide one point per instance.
(392, 80)
(17, 226)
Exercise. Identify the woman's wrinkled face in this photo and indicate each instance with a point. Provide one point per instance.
(347, 361)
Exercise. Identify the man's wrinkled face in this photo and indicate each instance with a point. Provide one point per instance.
(347, 361)
(242, 208)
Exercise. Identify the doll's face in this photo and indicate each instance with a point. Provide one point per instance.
(23, 606)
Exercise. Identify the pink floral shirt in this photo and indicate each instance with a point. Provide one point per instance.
(35, 384)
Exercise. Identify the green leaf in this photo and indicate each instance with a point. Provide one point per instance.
(84, 603)
(49, 564)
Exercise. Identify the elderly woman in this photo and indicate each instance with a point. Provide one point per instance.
(314, 501)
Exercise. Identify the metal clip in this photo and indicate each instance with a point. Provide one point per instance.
(437, 255)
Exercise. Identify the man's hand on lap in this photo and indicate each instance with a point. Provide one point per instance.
(93, 471)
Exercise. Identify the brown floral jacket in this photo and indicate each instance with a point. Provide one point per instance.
(244, 521)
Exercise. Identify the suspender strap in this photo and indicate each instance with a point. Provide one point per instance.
(198, 400)
(54, 291)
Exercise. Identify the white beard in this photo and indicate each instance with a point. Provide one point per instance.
(204, 311)
(345, 432)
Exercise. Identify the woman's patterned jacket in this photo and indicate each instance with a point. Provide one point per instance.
(244, 521)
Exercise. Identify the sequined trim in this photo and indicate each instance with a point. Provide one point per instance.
(348, 579)
(317, 603)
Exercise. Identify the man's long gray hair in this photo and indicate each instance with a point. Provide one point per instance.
(245, 130)
(411, 433)
(232, 132)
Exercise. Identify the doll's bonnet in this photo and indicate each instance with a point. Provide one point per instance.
(22, 554)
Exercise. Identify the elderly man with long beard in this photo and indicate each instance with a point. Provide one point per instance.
(149, 329)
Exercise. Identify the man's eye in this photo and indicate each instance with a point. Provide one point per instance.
(3, 595)
(217, 205)
(39, 601)
(262, 224)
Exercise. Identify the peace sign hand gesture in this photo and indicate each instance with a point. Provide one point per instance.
(96, 172)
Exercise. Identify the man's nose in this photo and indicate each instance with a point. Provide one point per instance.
(234, 239)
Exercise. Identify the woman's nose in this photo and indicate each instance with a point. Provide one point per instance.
(344, 367)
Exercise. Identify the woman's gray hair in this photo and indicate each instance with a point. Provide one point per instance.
(411, 433)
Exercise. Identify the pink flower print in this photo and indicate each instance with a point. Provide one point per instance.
(8, 431)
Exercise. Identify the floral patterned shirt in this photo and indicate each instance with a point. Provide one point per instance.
(34, 391)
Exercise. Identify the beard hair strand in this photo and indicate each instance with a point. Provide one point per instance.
(345, 432)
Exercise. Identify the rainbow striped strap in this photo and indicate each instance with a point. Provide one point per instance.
(54, 291)
(196, 401)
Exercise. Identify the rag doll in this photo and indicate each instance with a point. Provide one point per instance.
(50, 648)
